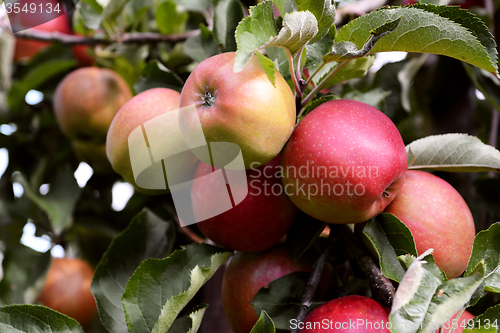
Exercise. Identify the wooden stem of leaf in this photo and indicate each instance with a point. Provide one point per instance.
(382, 288)
(127, 38)
(312, 284)
(309, 79)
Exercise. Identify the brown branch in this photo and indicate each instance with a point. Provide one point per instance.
(127, 38)
(314, 280)
(382, 288)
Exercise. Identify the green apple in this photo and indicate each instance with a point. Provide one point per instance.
(438, 218)
(127, 149)
(344, 163)
(259, 221)
(242, 108)
(67, 289)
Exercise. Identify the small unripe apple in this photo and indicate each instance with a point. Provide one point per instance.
(243, 108)
(67, 289)
(344, 163)
(43, 19)
(438, 218)
(246, 273)
(254, 224)
(348, 314)
(150, 109)
(86, 101)
(460, 324)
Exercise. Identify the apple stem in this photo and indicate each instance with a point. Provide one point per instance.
(312, 284)
(382, 288)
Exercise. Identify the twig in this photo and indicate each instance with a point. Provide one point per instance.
(127, 38)
(382, 288)
(313, 282)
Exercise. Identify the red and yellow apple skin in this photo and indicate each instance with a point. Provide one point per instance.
(461, 324)
(348, 314)
(256, 223)
(438, 218)
(243, 108)
(344, 163)
(87, 100)
(246, 273)
(48, 21)
(141, 108)
(67, 289)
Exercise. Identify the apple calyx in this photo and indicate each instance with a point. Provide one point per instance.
(208, 99)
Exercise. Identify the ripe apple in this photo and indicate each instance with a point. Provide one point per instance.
(344, 163)
(86, 101)
(461, 324)
(438, 218)
(148, 109)
(243, 108)
(347, 314)
(257, 222)
(43, 20)
(67, 289)
(246, 273)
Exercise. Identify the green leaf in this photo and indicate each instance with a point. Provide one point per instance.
(406, 76)
(190, 323)
(450, 297)
(170, 19)
(268, 66)
(490, 318)
(420, 31)
(200, 6)
(202, 46)
(391, 238)
(113, 9)
(455, 153)
(316, 51)
(374, 97)
(264, 324)
(155, 75)
(254, 31)
(487, 248)
(35, 78)
(282, 299)
(59, 202)
(285, 6)
(227, 15)
(297, 30)
(415, 292)
(147, 236)
(325, 13)
(36, 318)
(487, 83)
(90, 11)
(352, 70)
(161, 288)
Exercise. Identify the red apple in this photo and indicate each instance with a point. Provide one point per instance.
(152, 110)
(254, 224)
(346, 314)
(243, 108)
(344, 163)
(460, 324)
(67, 289)
(438, 218)
(246, 273)
(42, 20)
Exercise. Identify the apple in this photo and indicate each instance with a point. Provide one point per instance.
(254, 224)
(438, 218)
(67, 289)
(246, 273)
(243, 108)
(461, 324)
(86, 101)
(149, 109)
(44, 20)
(347, 314)
(344, 163)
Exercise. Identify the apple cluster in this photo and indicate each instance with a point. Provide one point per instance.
(345, 162)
